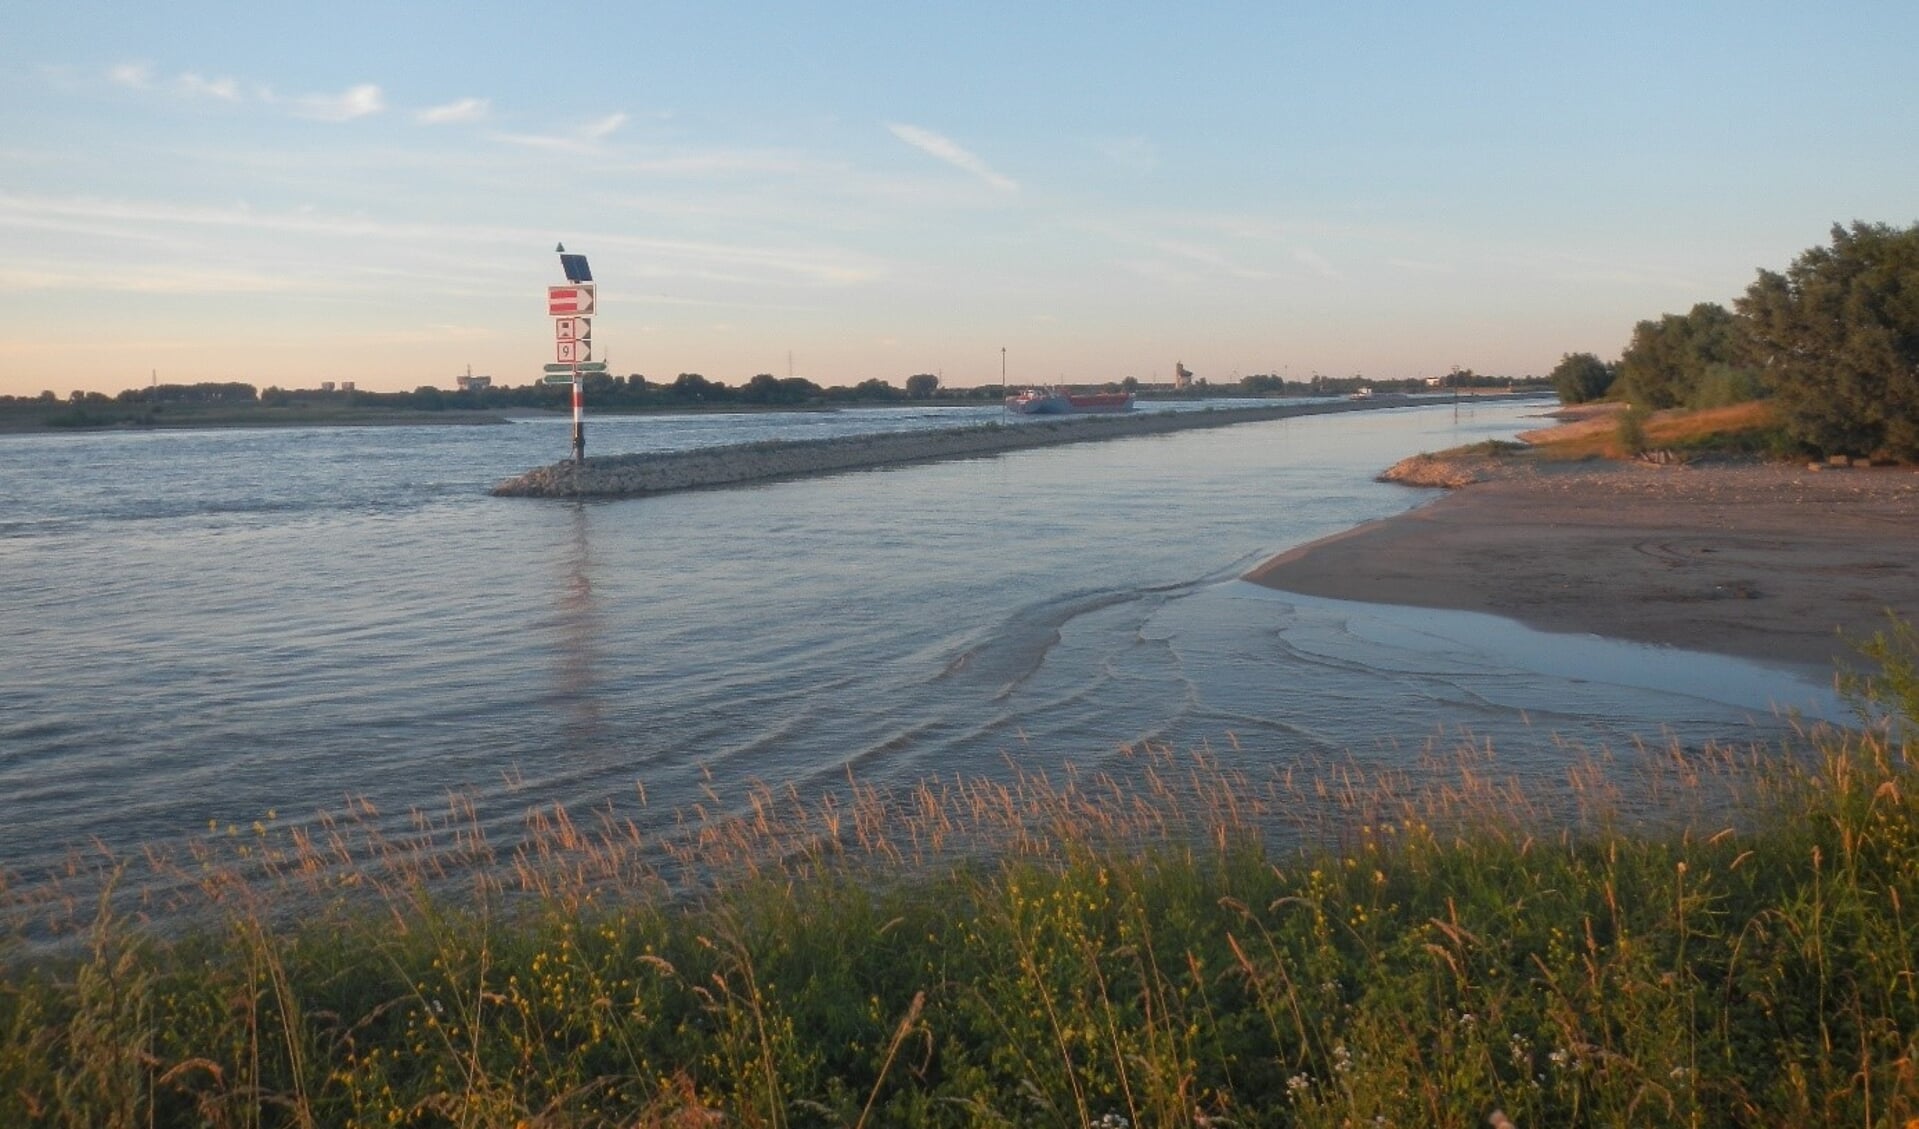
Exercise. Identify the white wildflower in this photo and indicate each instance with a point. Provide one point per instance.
(1518, 1051)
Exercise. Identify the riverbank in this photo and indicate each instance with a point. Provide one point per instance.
(1772, 562)
(638, 475)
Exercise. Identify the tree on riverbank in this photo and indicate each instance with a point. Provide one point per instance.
(1838, 334)
(1582, 377)
(1834, 340)
(1694, 360)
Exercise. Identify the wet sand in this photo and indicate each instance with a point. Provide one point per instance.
(1775, 563)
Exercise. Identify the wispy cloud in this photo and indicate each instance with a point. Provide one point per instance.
(605, 127)
(733, 163)
(946, 149)
(1587, 270)
(141, 346)
(140, 76)
(358, 101)
(674, 258)
(1314, 261)
(224, 89)
(143, 215)
(1420, 266)
(135, 76)
(354, 102)
(144, 280)
(464, 110)
(1212, 257)
(1176, 257)
(432, 333)
(1134, 154)
(580, 139)
(1159, 271)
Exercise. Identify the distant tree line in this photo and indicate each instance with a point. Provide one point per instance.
(1834, 341)
(604, 391)
(635, 392)
(1267, 384)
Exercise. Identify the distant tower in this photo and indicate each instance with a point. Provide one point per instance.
(1182, 377)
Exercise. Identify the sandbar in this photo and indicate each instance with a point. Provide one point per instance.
(1777, 563)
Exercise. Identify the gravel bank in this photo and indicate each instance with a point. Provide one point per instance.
(632, 476)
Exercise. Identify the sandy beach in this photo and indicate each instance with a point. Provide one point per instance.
(1770, 562)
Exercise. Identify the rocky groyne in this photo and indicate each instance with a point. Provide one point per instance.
(638, 475)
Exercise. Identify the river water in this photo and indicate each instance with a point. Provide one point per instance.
(208, 626)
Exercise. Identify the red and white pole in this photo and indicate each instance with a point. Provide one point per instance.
(579, 418)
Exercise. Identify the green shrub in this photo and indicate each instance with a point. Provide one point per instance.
(1888, 699)
(1632, 430)
(1722, 385)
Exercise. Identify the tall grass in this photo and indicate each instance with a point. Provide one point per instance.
(1745, 428)
(1177, 943)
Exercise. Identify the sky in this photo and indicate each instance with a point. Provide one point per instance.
(288, 193)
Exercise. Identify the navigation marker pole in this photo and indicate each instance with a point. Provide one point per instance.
(579, 418)
(569, 307)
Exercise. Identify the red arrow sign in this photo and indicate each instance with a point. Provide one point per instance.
(566, 301)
